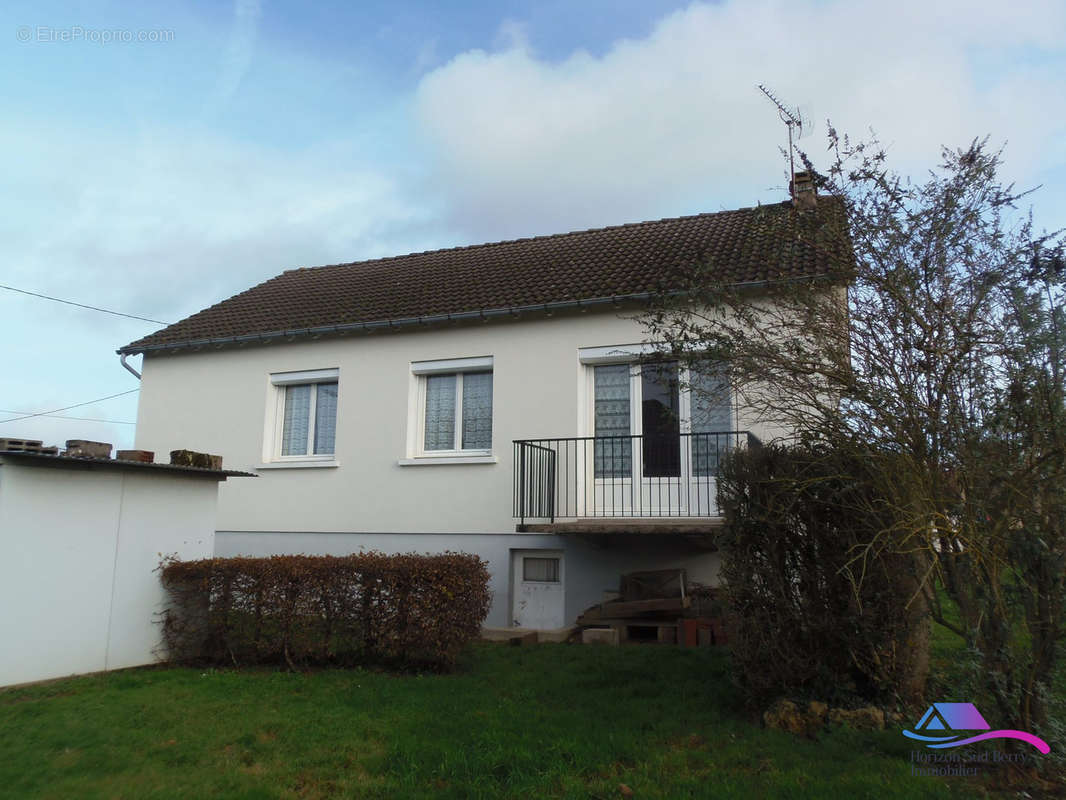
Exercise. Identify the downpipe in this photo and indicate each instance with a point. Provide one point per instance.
(131, 370)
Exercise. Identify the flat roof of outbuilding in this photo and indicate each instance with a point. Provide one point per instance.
(77, 462)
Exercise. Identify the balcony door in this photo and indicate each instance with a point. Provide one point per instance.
(658, 437)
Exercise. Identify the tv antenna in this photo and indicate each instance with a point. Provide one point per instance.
(798, 122)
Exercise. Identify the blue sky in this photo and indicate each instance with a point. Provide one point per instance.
(160, 177)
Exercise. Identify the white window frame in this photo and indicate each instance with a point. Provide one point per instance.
(636, 397)
(631, 354)
(275, 422)
(416, 412)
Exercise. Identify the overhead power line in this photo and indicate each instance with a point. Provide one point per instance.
(81, 305)
(67, 408)
(61, 416)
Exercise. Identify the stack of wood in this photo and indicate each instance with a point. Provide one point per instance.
(648, 607)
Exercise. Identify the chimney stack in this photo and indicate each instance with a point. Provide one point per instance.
(804, 195)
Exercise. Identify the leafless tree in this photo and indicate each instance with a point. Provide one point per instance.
(930, 343)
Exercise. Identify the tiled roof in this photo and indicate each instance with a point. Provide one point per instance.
(764, 243)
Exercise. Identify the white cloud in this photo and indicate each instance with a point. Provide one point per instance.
(162, 223)
(163, 220)
(673, 123)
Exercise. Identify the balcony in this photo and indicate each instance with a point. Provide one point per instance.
(611, 484)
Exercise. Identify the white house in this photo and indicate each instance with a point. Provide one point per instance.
(487, 399)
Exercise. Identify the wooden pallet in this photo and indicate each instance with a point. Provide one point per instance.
(665, 632)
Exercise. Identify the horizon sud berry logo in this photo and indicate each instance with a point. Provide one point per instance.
(945, 726)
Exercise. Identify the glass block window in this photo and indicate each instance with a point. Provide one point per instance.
(613, 456)
(712, 419)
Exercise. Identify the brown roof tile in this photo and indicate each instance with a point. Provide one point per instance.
(745, 245)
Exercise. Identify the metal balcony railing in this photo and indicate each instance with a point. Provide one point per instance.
(665, 475)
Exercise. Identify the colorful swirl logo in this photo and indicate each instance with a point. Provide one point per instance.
(949, 717)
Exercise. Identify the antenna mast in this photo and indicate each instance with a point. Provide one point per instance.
(792, 119)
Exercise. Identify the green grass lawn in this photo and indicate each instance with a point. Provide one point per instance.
(529, 722)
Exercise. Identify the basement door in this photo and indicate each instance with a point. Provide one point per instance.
(537, 581)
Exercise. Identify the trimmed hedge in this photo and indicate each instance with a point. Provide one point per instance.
(401, 610)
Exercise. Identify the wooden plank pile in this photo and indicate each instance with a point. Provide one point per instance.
(648, 607)
(656, 606)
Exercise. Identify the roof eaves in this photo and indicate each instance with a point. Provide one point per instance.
(432, 319)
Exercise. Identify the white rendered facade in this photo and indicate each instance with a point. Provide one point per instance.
(381, 488)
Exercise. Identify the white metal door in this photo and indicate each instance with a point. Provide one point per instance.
(538, 599)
